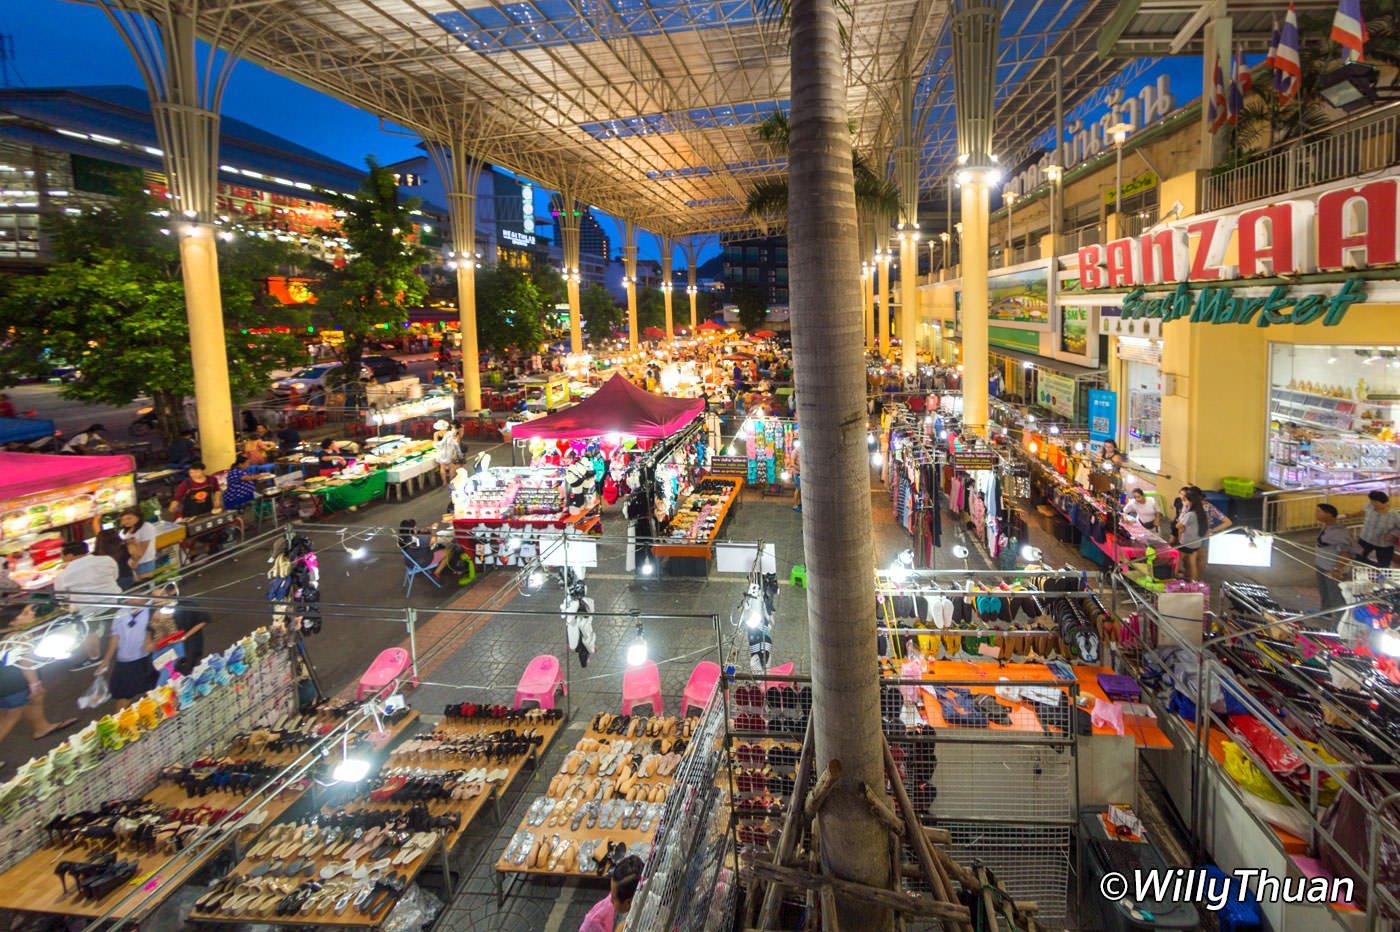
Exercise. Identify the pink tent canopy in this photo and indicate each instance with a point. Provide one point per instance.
(619, 407)
(27, 473)
(710, 325)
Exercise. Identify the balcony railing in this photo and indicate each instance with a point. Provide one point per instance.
(1138, 221)
(1365, 144)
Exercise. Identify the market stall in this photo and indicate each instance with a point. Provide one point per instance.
(48, 500)
(501, 515)
(605, 802)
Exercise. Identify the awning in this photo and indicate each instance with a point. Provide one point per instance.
(619, 407)
(28, 473)
(1081, 373)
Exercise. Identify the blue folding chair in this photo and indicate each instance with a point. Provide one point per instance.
(412, 568)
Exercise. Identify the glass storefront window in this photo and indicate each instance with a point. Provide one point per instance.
(1144, 428)
(1334, 412)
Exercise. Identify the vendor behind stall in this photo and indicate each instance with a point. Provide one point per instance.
(289, 438)
(238, 489)
(181, 453)
(87, 441)
(197, 495)
(328, 459)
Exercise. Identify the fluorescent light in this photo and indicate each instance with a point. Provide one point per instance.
(637, 650)
(1031, 554)
(1240, 547)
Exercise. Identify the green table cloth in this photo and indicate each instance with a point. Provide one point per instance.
(356, 492)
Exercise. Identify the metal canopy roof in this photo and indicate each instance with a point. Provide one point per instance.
(648, 108)
(1173, 27)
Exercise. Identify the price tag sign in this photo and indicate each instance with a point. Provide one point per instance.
(973, 459)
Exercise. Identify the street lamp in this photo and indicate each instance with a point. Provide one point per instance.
(1054, 174)
(1119, 132)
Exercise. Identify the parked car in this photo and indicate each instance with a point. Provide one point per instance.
(314, 380)
(384, 367)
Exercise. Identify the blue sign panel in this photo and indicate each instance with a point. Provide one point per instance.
(1103, 414)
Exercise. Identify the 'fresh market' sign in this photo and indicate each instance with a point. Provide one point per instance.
(1221, 306)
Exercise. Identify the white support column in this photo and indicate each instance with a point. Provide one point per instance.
(629, 259)
(975, 218)
(668, 248)
(570, 218)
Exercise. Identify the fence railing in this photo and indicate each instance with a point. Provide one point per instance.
(1366, 144)
(1137, 222)
(1295, 509)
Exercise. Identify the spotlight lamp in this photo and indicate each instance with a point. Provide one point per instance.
(637, 650)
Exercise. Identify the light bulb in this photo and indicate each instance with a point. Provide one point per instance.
(1388, 643)
(359, 553)
(637, 651)
(1030, 554)
(647, 568)
(350, 770)
(729, 450)
(943, 435)
(55, 645)
(1032, 446)
(877, 459)
(1079, 446)
(786, 476)
(960, 552)
(536, 579)
(870, 438)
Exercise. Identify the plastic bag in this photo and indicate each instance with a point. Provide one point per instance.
(415, 910)
(1242, 770)
(96, 694)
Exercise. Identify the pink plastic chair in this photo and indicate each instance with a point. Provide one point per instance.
(777, 671)
(387, 667)
(642, 684)
(541, 678)
(701, 685)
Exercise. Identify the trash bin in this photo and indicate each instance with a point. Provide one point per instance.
(1101, 854)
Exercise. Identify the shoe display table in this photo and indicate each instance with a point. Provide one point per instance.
(32, 885)
(346, 866)
(603, 804)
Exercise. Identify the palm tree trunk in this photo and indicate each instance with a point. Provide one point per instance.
(827, 337)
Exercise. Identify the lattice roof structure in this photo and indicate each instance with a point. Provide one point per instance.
(648, 108)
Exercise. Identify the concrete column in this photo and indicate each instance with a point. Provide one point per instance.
(461, 208)
(629, 260)
(1216, 38)
(883, 322)
(570, 216)
(908, 301)
(975, 218)
(693, 295)
(575, 312)
(668, 247)
(199, 266)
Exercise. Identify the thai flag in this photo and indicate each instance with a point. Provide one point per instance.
(1219, 106)
(1286, 60)
(1271, 60)
(1349, 29)
(1240, 84)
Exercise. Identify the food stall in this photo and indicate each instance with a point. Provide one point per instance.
(47, 500)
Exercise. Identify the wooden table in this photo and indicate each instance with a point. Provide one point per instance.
(703, 548)
(569, 867)
(32, 886)
(468, 809)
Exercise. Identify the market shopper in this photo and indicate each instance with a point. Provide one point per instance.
(139, 535)
(87, 578)
(608, 913)
(190, 622)
(128, 658)
(1334, 546)
(1192, 528)
(1380, 526)
(109, 544)
(21, 690)
(328, 460)
(447, 449)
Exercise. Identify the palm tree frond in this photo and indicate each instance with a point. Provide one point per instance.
(768, 198)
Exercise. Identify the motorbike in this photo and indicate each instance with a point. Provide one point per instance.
(147, 422)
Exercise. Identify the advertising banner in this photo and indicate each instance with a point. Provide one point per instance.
(1103, 414)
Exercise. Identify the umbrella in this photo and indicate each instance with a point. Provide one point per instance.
(765, 334)
(653, 332)
(733, 357)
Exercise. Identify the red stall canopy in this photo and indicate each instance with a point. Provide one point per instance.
(27, 473)
(619, 407)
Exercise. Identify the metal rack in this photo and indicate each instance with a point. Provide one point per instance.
(1208, 786)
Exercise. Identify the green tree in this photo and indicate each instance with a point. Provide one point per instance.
(599, 313)
(651, 308)
(554, 291)
(875, 194)
(508, 309)
(114, 305)
(380, 281)
(749, 302)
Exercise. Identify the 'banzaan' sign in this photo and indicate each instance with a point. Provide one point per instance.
(1345, 228)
